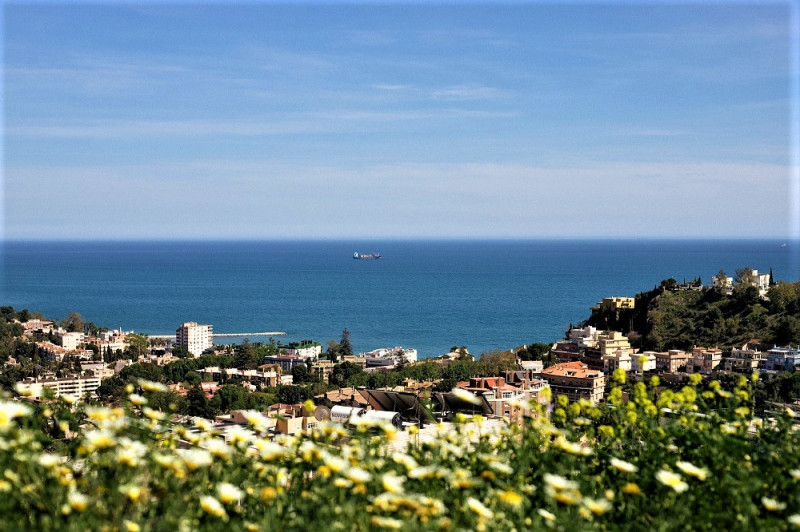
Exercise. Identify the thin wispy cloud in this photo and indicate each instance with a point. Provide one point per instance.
(465, 92)
(449, 120)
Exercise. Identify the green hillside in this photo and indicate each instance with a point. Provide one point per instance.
(669, 318)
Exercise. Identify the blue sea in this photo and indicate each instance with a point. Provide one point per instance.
(428, 295)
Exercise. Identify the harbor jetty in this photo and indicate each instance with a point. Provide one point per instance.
(223, 335)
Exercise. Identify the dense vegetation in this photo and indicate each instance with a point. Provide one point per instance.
(665, 318)
(703, 464)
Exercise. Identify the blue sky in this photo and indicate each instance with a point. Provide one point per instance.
(532, 120)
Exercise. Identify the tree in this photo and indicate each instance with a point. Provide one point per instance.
(721, 278)
(247, 356)
(535, 351)
(333, 351)
(137, 345)
(181, 352)
(301, 375)
(345, 347)
(744, 276)
(74, 322)
(292, 395)
(197, 403)
(347, 374)
(193, 378)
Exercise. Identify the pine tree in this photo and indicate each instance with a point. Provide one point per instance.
(345, 347)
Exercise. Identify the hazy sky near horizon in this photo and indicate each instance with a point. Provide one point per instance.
(532, 120)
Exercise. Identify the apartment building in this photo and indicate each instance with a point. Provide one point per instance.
(194, 337)
(704, 360)
(75, 386)
(671, 361)
(745, 359)
(783, 358)
(575, 380)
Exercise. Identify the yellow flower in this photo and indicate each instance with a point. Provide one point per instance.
(217, 447)
(155, 415)
(773, 505)
(228, 493)
(392, 483)
(692, 470)
(672, 480)
(622, 465)
(212, 506)
(597, 506)
(794, 520)
(99, 439)
(510, 497)
(477, 506)
(10, 411)
(69, 399)
(357, 475)
(195, 458)
(559, 483)
(150, 386)
(572, 447)
(466, 396)
(268, 493)
(130, 526)
(23, 389)
(606, 431)
(134, 493)
(78, 501)
(137, 399)
(631, 489)
(795, 474)
(386, 522)
(49, 461)
(548, 516)
(568, 497)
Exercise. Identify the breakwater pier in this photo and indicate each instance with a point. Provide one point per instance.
(223, 335)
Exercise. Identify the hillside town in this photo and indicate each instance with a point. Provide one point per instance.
(88, 363)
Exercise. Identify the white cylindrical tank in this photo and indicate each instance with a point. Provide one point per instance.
(342, 414)
(380, 416)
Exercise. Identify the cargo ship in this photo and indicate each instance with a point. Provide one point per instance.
(366, 256)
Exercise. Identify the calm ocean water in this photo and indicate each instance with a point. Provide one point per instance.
(428, 295)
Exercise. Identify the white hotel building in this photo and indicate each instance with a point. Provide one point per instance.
(195, 338)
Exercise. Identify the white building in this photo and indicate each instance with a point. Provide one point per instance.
(586, 337)
(393, 353)
(75, 386)
(70, 340)
(305, 349)
(724, 284)
(643, 362)
(761, 281)
(194, 337)
(783, 358)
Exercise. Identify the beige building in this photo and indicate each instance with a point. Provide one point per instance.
(613, 341)
(575, 380)
(615, 303)
(704, 360)
(617, 360)
(671, 361)
(194, 337)
(744, 359)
